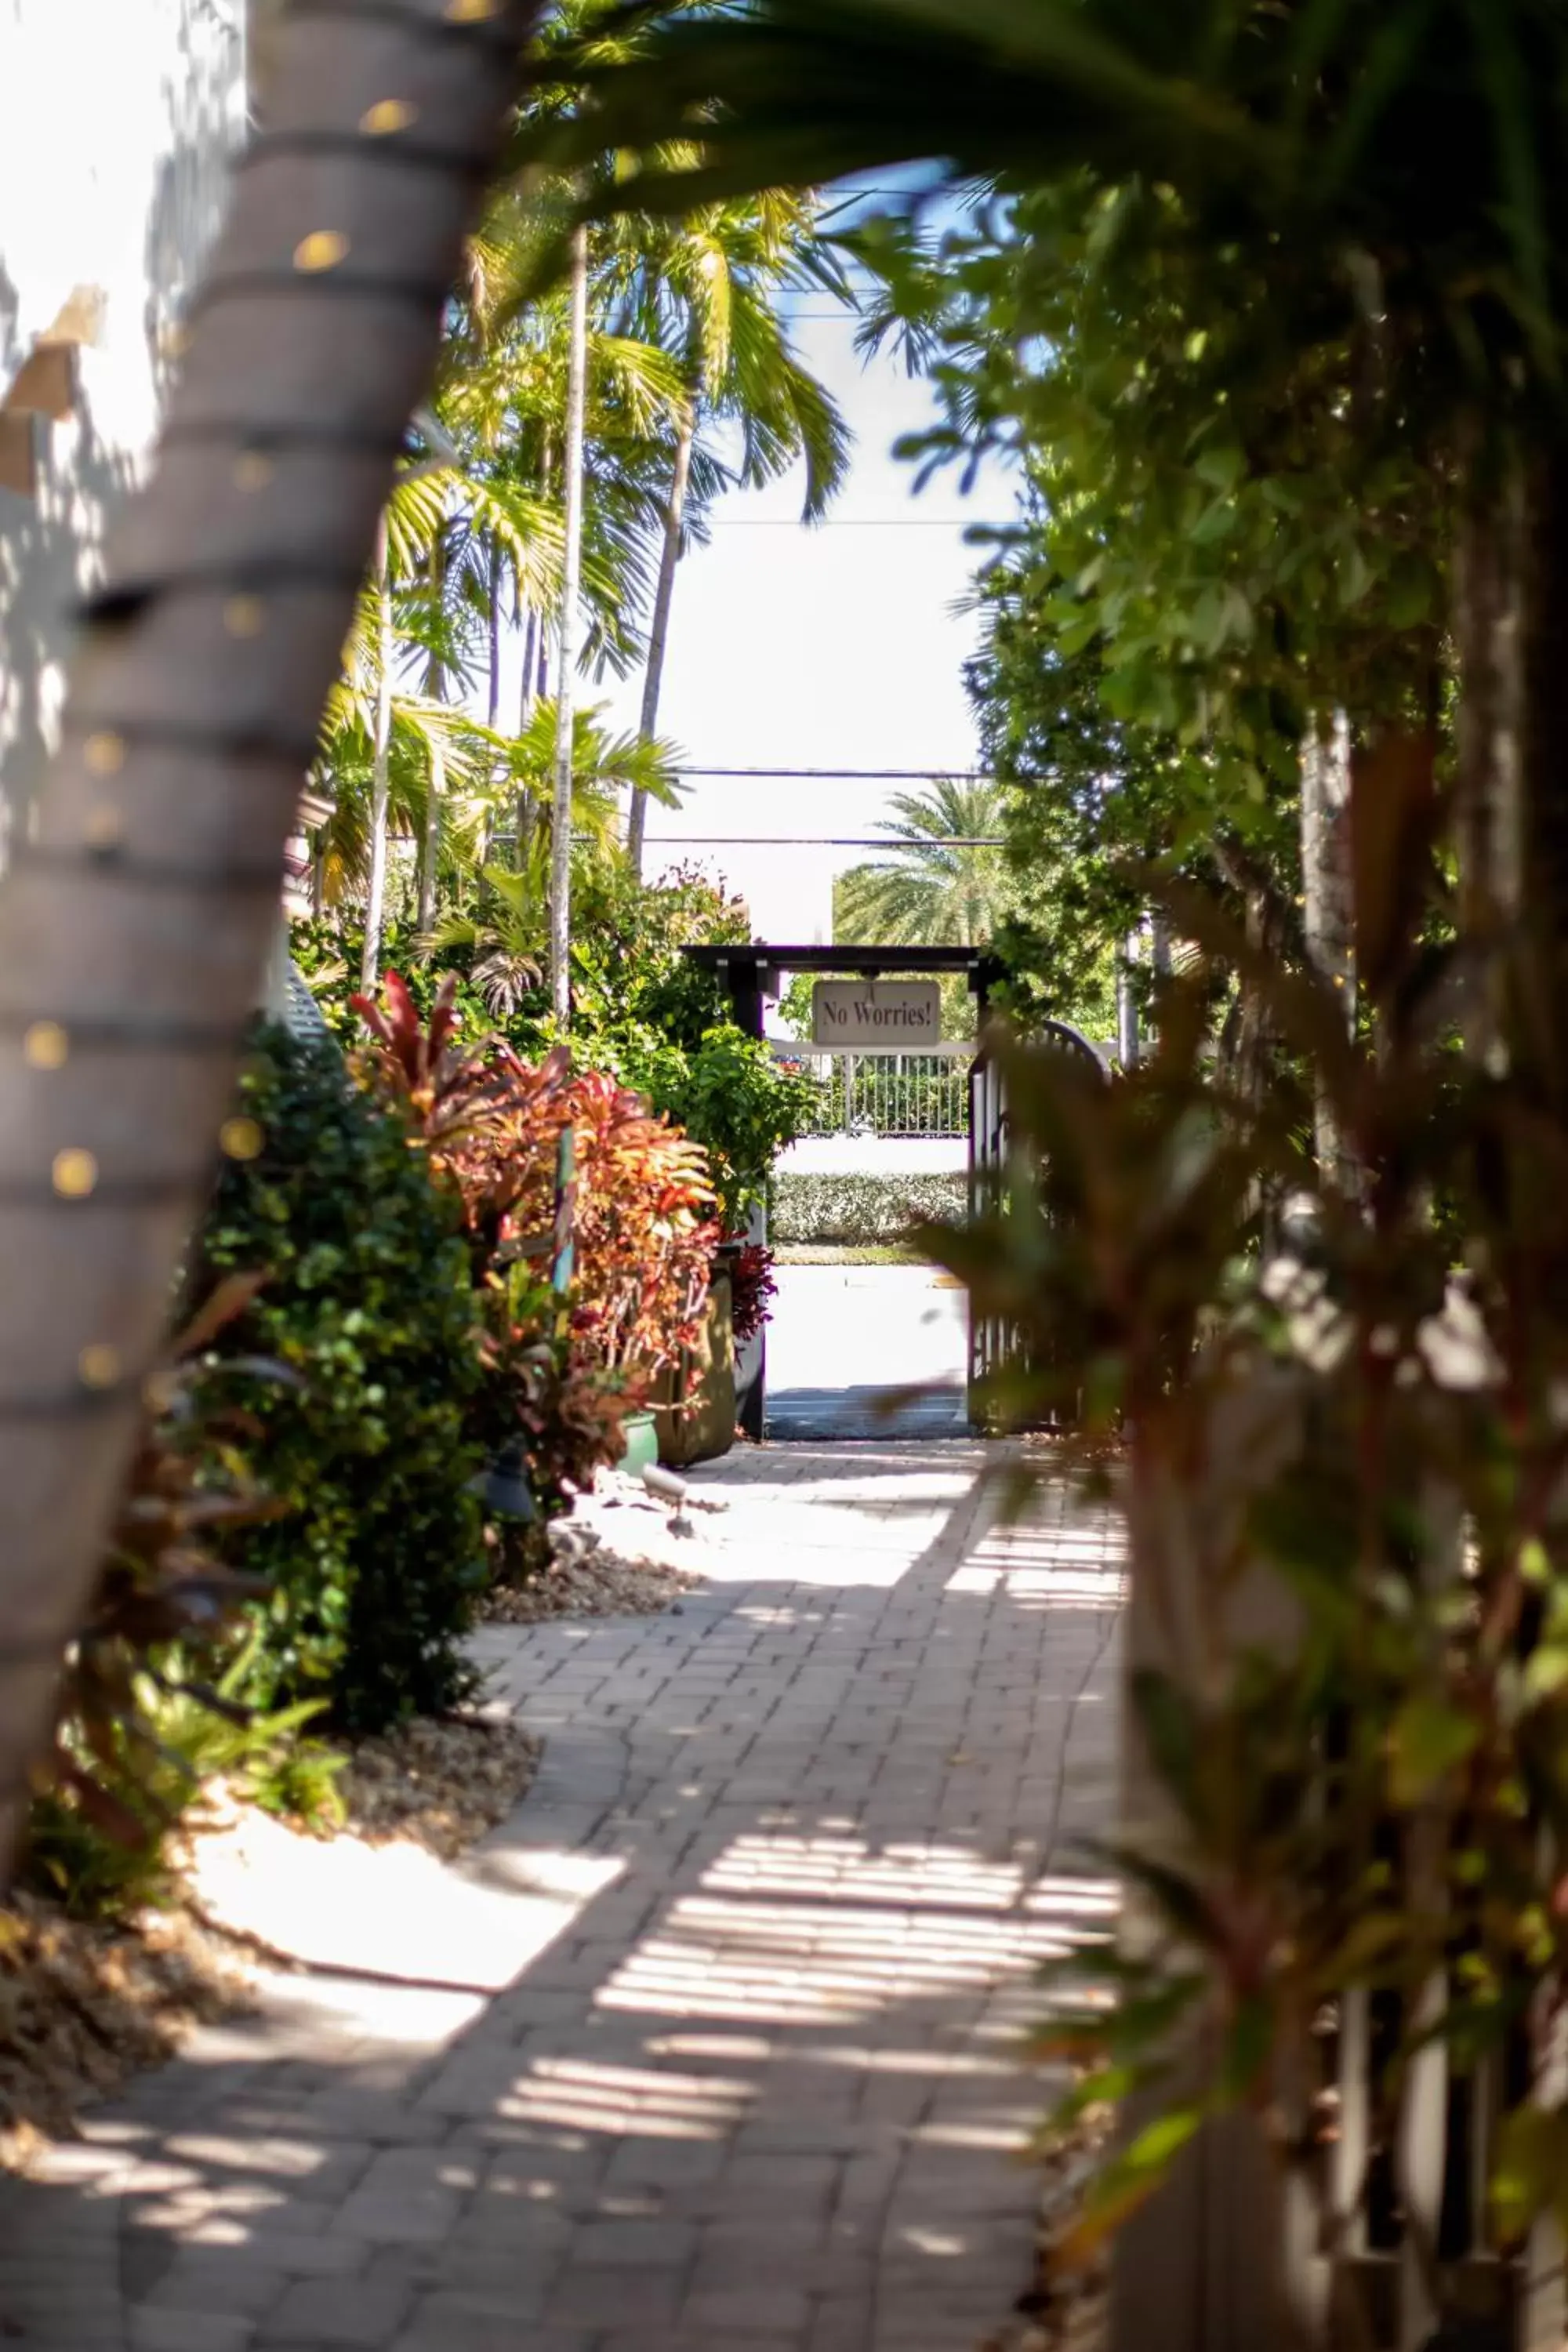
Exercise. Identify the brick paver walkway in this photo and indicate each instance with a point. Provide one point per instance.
(797, 1849)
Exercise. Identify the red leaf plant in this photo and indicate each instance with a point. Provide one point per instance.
(643, 1229)
(644, 1232)
(751, 1287)
(475, 1108)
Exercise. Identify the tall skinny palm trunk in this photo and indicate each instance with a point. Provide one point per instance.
(492, 620)
(524, 812)
(658, 629)
(1328, 888)
(380, 770)
(430, 847)
(435, 787)
(136, 927)
(567, 637)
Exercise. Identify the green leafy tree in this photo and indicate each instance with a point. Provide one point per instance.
(1389, 184)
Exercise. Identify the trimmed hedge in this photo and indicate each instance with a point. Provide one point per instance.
(375, 1568)
(849, 1208)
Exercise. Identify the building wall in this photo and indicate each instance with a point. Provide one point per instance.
(117, 119)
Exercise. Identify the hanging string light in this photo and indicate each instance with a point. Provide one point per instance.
(322, 260)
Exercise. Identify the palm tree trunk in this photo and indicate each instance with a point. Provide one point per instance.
(530, 656)
(436, 688)
(658, 628)
(430, 848)
(525, 804)
(567, 639)
(136, 927)
(494, 622)
(381, 772)
(1489, 785)
(1328, 885)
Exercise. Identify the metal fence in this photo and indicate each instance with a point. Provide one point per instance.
(886, 1094)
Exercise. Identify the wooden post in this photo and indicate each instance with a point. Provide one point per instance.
(1205, 2266)
(563, 1248)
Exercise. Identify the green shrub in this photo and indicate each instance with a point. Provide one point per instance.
(859, 1207)
(375, 1567)
(100, 1847)
(732, 1095)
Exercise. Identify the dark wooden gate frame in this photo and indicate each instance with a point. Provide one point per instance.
(742, 969)
(746, 971)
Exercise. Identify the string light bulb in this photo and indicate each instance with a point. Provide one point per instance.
(388, 116)
(241, 1138)
(323, 249)
(75, 1173)
(105, 827)
(98, 1365)
(104, 753)
(245, 617)
(45, 1045)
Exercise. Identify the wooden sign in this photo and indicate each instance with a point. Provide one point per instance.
(894, 1014)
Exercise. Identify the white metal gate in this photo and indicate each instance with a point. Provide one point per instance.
(994, 1340)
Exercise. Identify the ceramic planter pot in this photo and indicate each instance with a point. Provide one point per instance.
(641, 1447)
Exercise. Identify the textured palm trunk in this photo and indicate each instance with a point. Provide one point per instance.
(1516, 804)
(525, 803)
(493, 623)
(1490, 810)
(1328, 886)
(567, 639)
(135, 928)
(436, 789)
(658, 628)
(1542, 759)
(430, 847)
(380, 771)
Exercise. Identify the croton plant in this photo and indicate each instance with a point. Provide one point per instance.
(643, 1225)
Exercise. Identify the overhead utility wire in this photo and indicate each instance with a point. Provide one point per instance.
(826, 841)
(856, 522)
(859, 775)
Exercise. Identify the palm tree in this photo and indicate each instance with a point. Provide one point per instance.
(508, 394)
(501, 941)
(138, 921)
(945, 883)
(420, 609)
(709, 287)
(566, 639)
(506, 934)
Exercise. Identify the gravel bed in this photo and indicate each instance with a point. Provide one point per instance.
(440, 1784)
(595, 1587)
(623, 1552)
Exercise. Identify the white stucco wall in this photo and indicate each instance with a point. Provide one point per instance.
(116, 118)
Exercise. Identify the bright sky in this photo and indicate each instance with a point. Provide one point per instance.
(834, 647)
